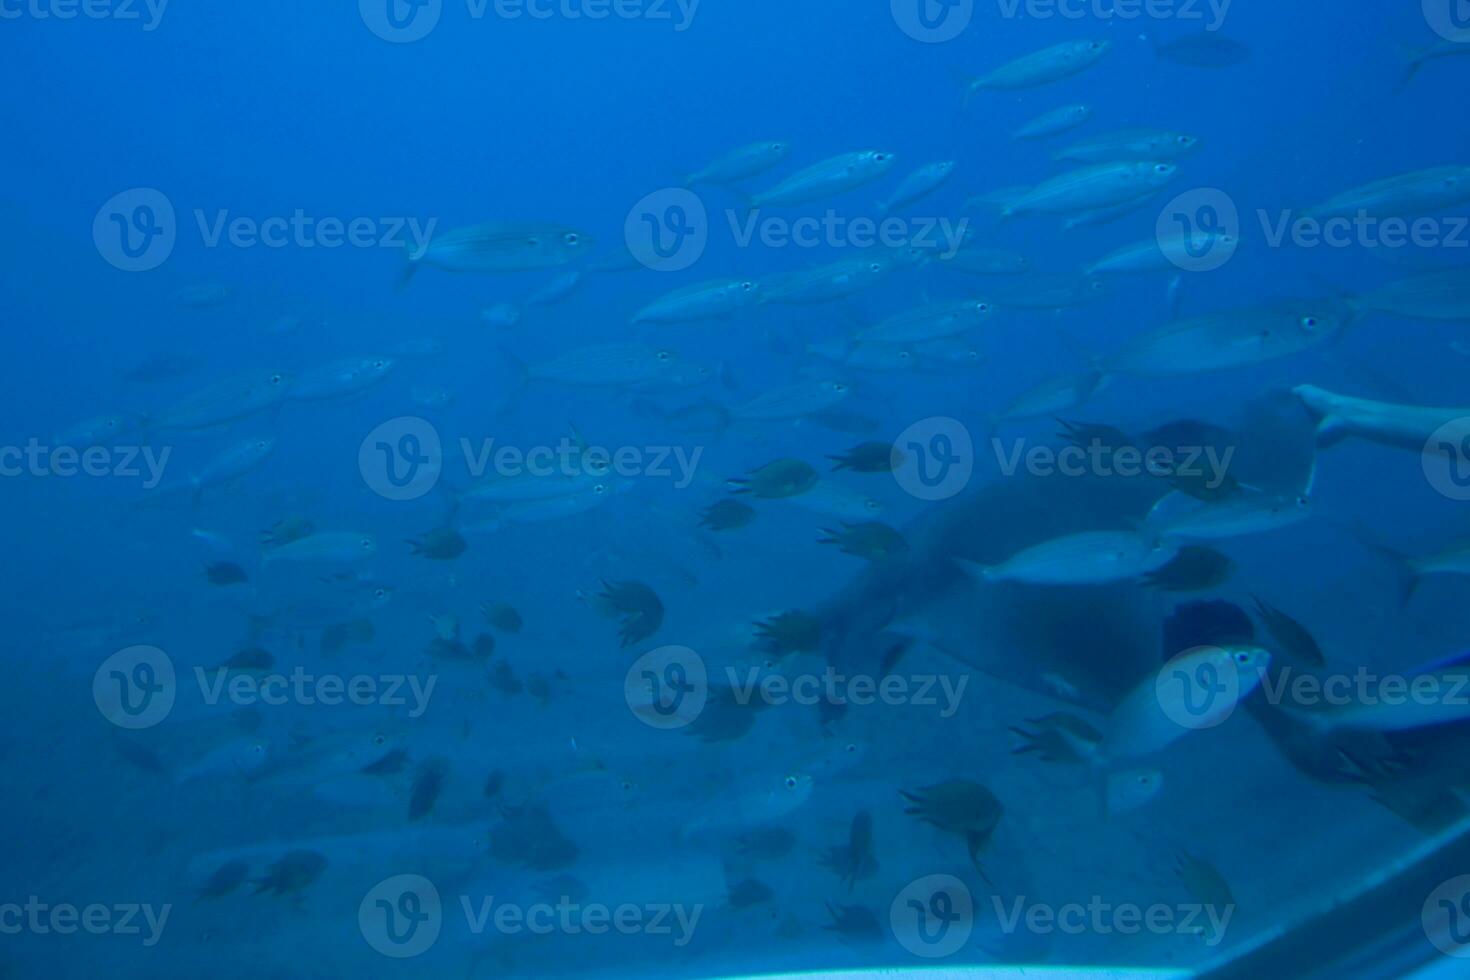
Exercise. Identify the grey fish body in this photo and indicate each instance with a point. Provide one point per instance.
(609, 365)
(1055, 395)
(347, 377)
(1046, 291)
(791, 402)
(918, 185)
(842, 173)
(1233, 338)
(987, 262)
(933, 322)
(1442, 295)
(702, 301)
(492, 248)
(1090, 188)
(1042, 67)
(227, 401)
(1179, 516)
(1054, 123)
(827, 283)
(1087, 558)
(1129, 144)
(747, 161)
(1162, 254)
(234, 462)
(1404, 195)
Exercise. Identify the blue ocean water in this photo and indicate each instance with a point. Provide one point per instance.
(312, 676)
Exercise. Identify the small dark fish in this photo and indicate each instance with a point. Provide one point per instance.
(539, 688)
(428, 783)
(504, 680)
(494, 783)
(502, 616)
(1194, 569)
(225, 573)
(226, 878)
(1292, 638)
(639, 606)
(283, 532)
(749, 892)
(1088, 435)
(872, 540)
(790, 632)
(854, 860)
(292, 873)
(776, 480)
(527, 836)
(727, 515)
(440, 544)
(870, 457)
(251, 658)
(389, 765)
(484, 647)
(1204, 51)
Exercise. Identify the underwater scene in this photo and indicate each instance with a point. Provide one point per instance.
(677, 488)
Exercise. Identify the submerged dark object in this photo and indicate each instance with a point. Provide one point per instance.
(225, 573)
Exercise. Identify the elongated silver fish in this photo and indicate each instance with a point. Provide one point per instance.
(1042, 67)
(826, 283)
(792, 401)
(1088, 558)
(340, 378)
(1402, 426)
(841, 173)
(1402, 196)
(1052, 123)
(1232, 338)
(234, 398)
(1194, 691)
(932, 322)
(1054, 395)
(987, 262)
(1163, 253)
(918, 185)
(1047, 291)
(618, 366)
(1101, 185)
(701, 301)
(747, 161)
(496, 247)
(1441, 295)
(1129, 144)
(327, 546)
(1248, 511)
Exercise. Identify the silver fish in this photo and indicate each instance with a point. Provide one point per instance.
(340, 378)
(791, 402)
(826, 283)
(748, 161)
(1249, 511)
(1049, 65)
(1088, 558)
(1052, 123)
(234, 398)
(1129, 144)
(1406, 195)
(1233, 338)
(1402, 426)
(1101, 185)
(701, 301)
(617, 366)
(327, 546)
(1047, 291)
(987, 262)
(933, 322)
(918, 185)
(1189, 689)
(492, 248)
(1055, 395)
(1442, 295)
(1163, 254)
(842, 173)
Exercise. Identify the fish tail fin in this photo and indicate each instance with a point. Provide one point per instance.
(409, 268)
(971, 84)
(1408, 576)
(977, 571)
(1413, 61)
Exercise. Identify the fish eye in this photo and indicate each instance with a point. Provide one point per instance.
(838, 386)
(791, 782)
(663, 355)
(626, 786)
(367, 542)
(1184, 140)
(571, 238)
(871, 504)
(1242, 657)
(982, 307)
(380, 593)
(904, 355)
(875, 267)
(379, 738)
(747, 286)
(880, 157)
(778, 146)
(276, 379)
(1163, 168)
(600, 488)
(1309, 323)
(850, 748)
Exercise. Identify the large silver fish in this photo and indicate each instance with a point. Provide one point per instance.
(1231, 338)
(747, 161)
(496, 247)
(1040, 68)
(826, 283)
(236, 397)
(1130, 144)
(932, 322)
(340, 378)
(1086, 558)
(1102, 185)
(1441, 295)
(1402, 196)
(841, 173)
(701, 301)
(619, 366)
